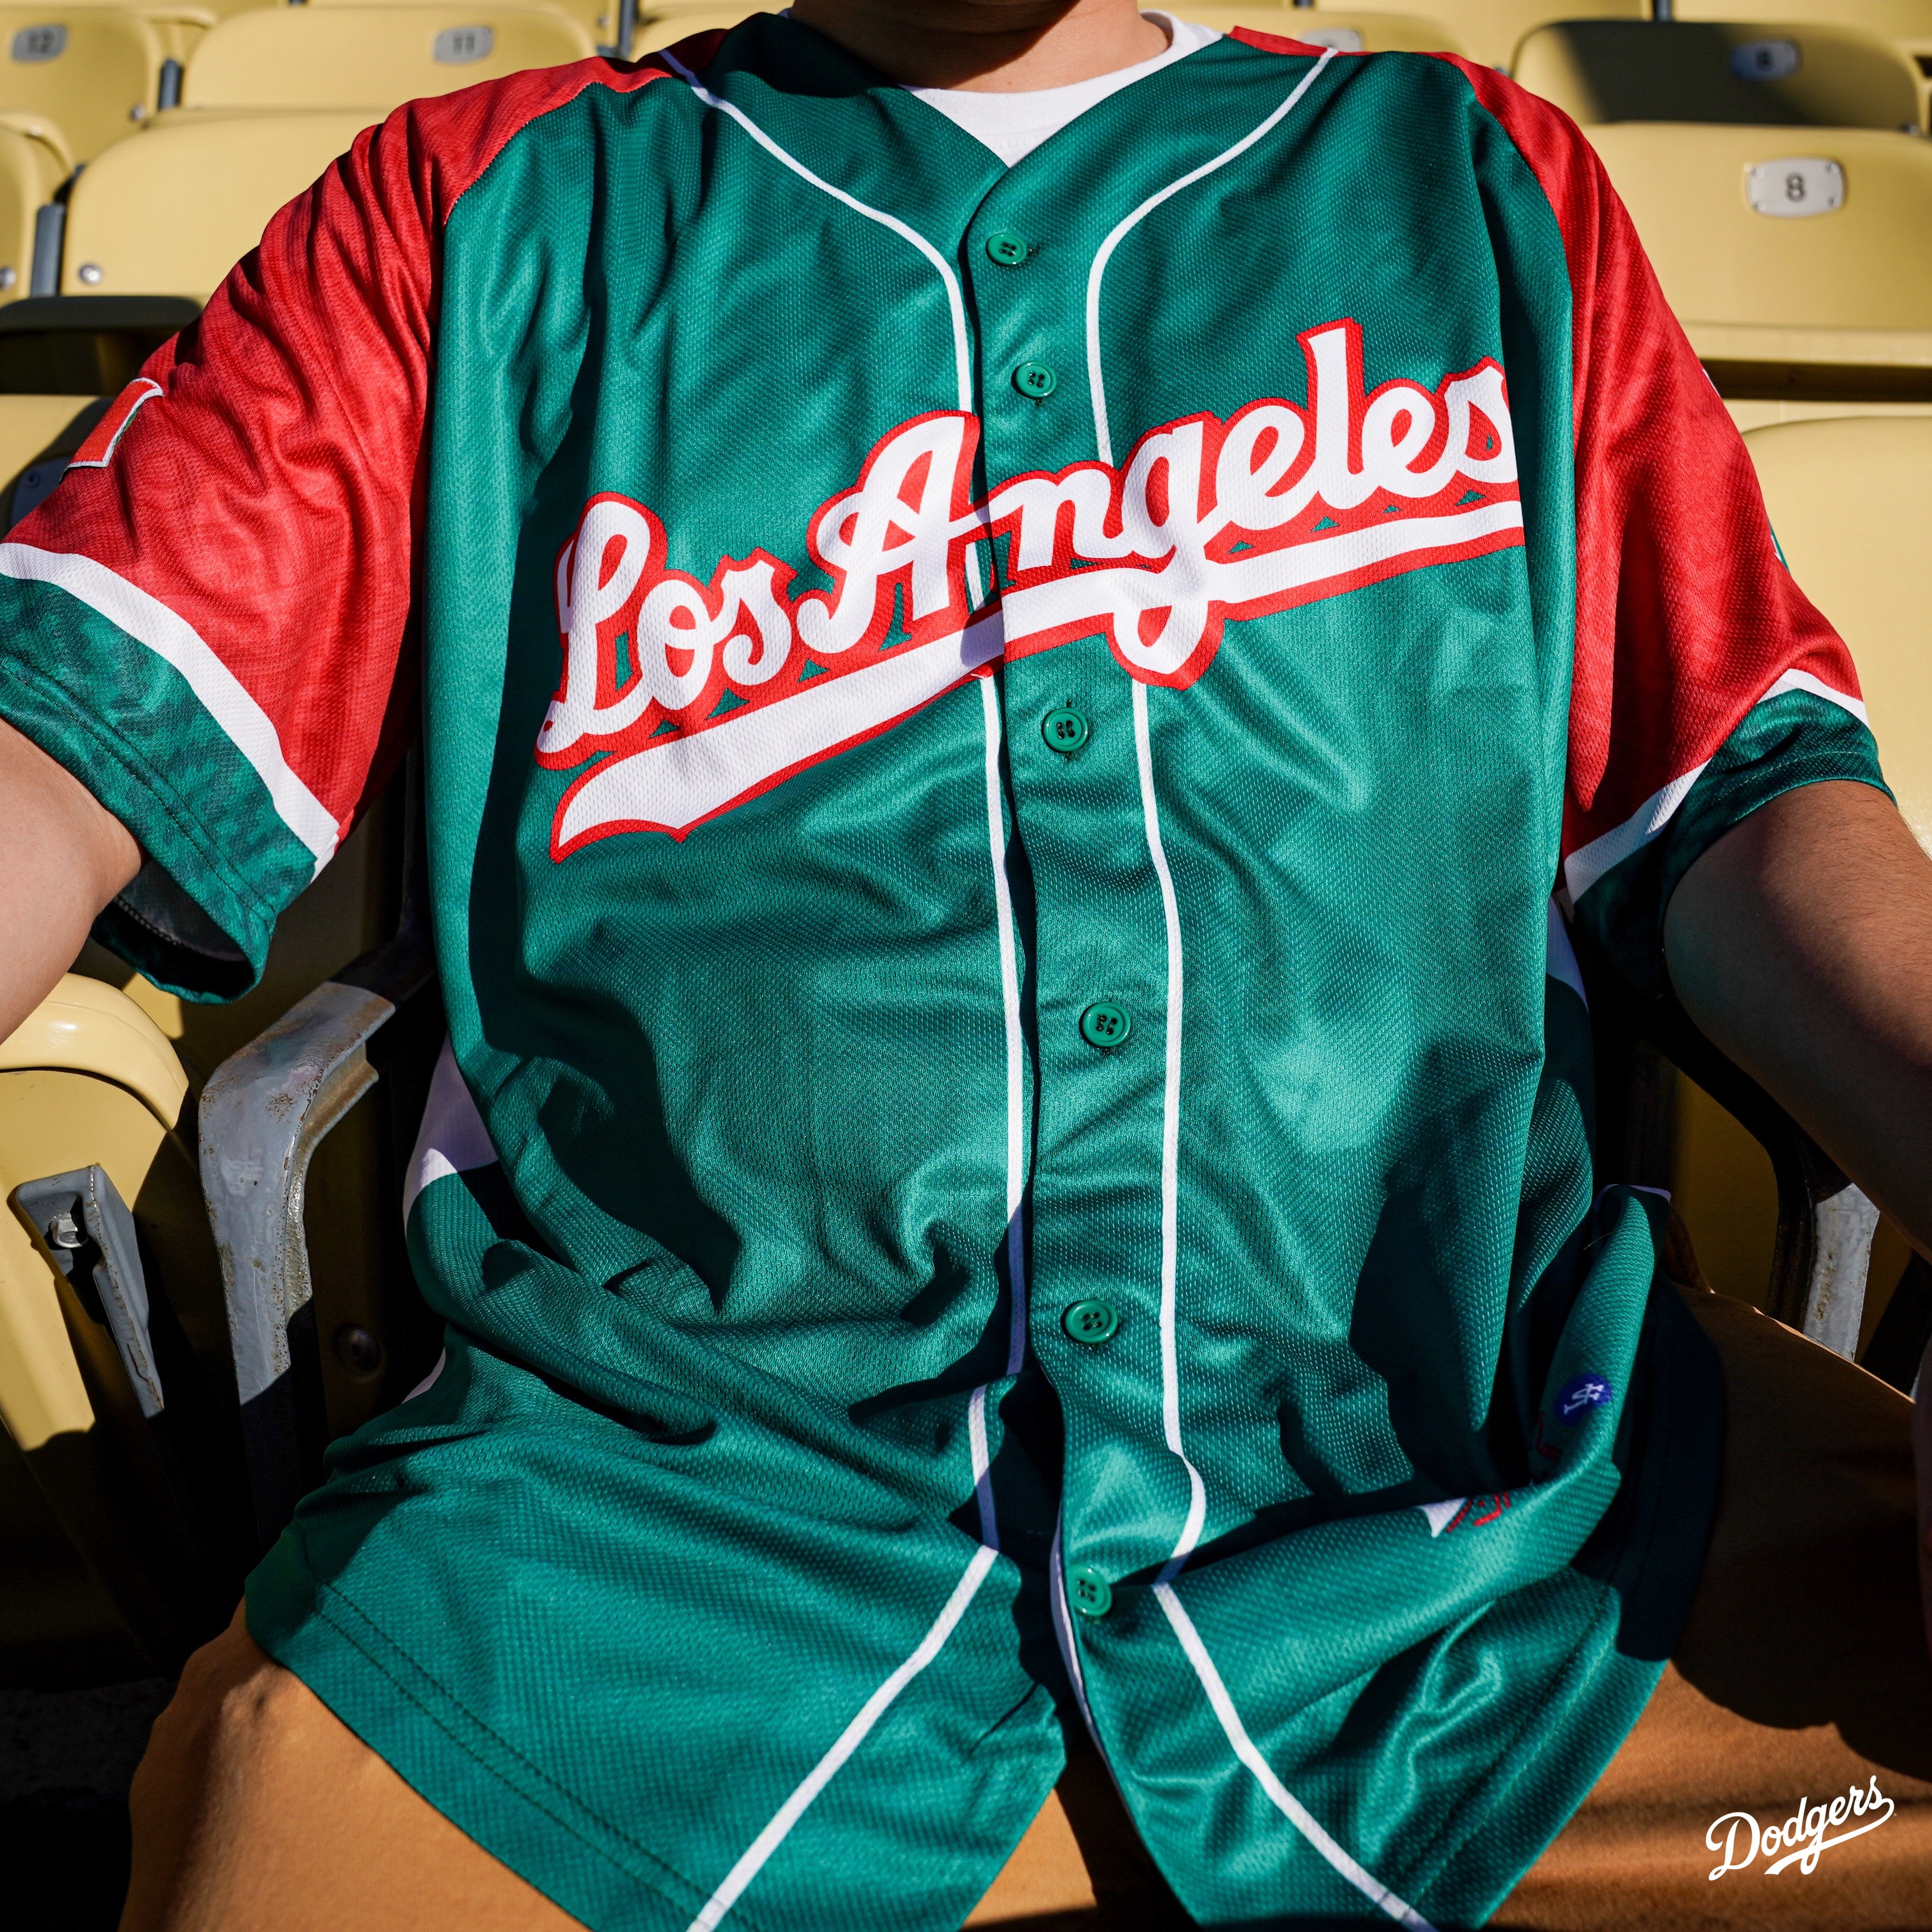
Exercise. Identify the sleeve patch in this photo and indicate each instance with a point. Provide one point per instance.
(97, 451)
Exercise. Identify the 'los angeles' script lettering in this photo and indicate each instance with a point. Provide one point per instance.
(1206, 520)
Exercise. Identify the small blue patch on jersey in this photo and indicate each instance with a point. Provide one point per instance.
(1580, 1393)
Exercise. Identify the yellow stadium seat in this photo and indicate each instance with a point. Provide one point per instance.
(1490, 30)
(599, 18)
(32, 166)
(660, 27)
(108, 1574)
(37, 434)
(371, 56)
(111, 1409)
(81, 347)
(1752, 75)
(1851, 500)
(1907, 24)
(1795, 259)
(1349, 32)
(178, 24)
(1898, 20)
(365, 1336)
(172, 212)
(1848, 498)
(94, 71)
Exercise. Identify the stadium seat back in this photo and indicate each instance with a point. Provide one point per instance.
(658, 28)
(121, 1511)
(30, 171)
(1807, 246)
(599, 18)
(1892, 19)
(1851, 500)
(1349, 32)
(1751, 75)
(37, 434)
(93, 70)
(171, 213)
(374, 57)
(1907, 24)
(178, 24)
(1848, 497)
(1490, 30)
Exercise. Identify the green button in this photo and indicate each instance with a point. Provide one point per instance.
(1035, 380)
(1105, 1024)
(1065, 730)
(1088, 1591)
(1092, 1322)
(1006, 248)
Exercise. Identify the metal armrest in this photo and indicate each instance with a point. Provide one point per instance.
(102, 1390)
(263, 1114)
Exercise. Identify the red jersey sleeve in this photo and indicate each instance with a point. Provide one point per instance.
(211, 619)
(1689, 632)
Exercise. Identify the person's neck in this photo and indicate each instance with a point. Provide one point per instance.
(991, 46)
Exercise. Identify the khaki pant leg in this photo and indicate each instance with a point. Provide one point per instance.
(1802, 1672)
(257, 1810)
(1081, 1866)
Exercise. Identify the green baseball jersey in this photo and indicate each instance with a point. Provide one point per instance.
(1014, 1150)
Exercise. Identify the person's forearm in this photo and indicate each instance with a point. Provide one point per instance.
(1800, 943)
(62, 858)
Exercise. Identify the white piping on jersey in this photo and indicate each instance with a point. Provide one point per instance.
(452, 1138)
(1283, 1800)
(1170, 1129)
(854, 1734)
(982, 1467)
(220, 693)
(1170, 1151)
(1095, 385)
(1803, 680)
(953, 657)
(430, 1381)
(1204, 1670)
(1589, 863)
(962, 354)
(794, 1807)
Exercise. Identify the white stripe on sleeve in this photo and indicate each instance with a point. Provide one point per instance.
(1589, 863)
(222, 695)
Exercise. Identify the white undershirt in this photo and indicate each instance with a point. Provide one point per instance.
(1013, 124)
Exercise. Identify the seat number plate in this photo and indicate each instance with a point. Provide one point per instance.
(1801, 185)
(39, 43)
(457, 46)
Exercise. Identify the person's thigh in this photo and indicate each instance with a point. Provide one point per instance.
(1801, 1677)
(256, 1807)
